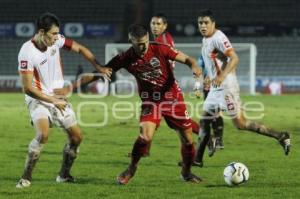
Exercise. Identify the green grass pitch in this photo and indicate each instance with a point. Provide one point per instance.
(103, 155)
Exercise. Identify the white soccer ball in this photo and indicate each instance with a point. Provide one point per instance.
(236, 173)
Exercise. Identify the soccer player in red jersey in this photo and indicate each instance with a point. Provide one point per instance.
(160, 95)
(158, 25)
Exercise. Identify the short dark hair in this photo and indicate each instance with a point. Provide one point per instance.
(162, 16)
(46, 21)
(137, 30)
(207, 13)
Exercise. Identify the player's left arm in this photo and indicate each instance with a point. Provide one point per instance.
(233, 61)
(89, 56)
(191, 62)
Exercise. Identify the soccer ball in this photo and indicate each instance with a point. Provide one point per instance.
(236, 173)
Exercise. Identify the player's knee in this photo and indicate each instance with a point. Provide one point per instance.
(146, 134)
(44, 140)
(240, 125)
(146, 137)
(42, 135)
(76, 139)
(188, 143)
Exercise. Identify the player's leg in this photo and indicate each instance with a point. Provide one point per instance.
(35, 147)
(243, 124)
(177, 118)
(211, 107)
(67, 121)
(195, 127)
(204, 138)
(140, 148)
(188, 155)
(218, 126)
(69, 154)
(233, 104)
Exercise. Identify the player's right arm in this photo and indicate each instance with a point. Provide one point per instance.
(37, 94)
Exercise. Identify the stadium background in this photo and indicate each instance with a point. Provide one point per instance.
(273, 26)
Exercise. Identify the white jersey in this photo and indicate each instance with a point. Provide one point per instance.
(214, 51)
(45, 65)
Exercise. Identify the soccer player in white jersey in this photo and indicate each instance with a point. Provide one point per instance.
(41, 72)
(220, 64)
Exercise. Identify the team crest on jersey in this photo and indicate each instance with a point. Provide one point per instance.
(155, 63)
(24, 64)
(53, 51)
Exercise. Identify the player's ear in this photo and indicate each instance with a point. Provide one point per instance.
(42, 31)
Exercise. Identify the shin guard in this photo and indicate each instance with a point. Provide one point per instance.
(69, 155)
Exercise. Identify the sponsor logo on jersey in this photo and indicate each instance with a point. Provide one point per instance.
(24, 64)
(43, 62)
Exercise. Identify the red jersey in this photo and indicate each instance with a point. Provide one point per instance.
(166, 38)
(153, 72)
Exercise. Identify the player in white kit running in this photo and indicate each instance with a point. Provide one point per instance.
(220, 62)
(41, 72)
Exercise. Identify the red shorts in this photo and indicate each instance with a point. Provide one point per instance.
(173, 110)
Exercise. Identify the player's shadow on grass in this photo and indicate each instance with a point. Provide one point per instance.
(106, 162)
(216, 185)
(95, 181)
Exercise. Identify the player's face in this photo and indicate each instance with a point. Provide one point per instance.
(140, 45)
(157, 26)
(206, 26)
(51, 36)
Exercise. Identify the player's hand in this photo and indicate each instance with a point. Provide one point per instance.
(60, 104)
(62, 92)
(217, 81)
(107, 72)
(198, 88)
(206, 83)
(197, 72)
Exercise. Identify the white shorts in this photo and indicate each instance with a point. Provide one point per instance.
(223, 99)
(40, 110)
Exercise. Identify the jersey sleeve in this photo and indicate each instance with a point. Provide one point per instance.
(63, 42)
(25, 62)
(169, 52)
(223, 44)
